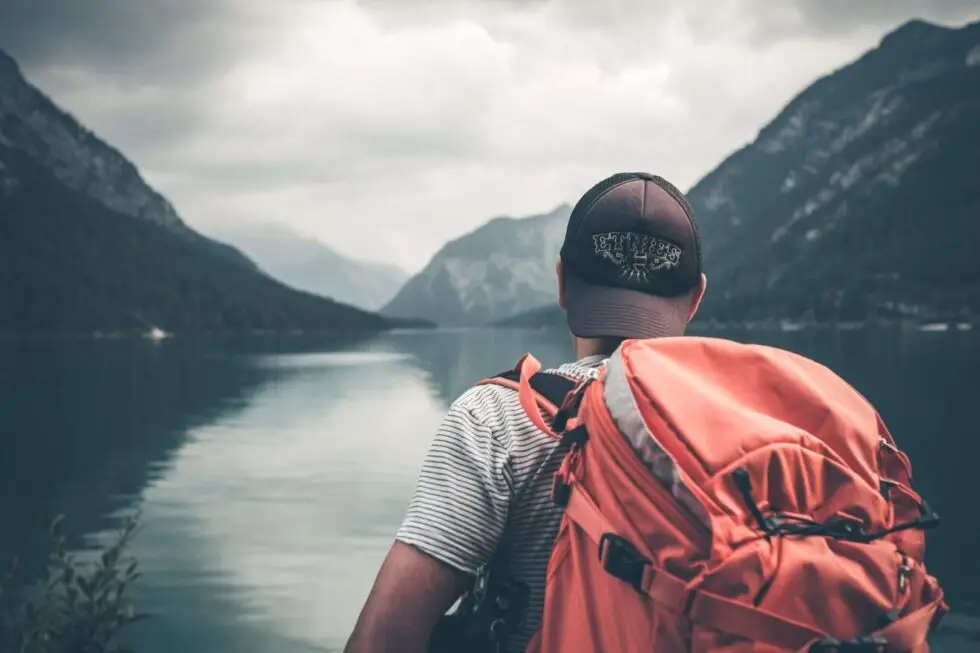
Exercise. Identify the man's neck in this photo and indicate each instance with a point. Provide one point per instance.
(586, 348)
(592, 359)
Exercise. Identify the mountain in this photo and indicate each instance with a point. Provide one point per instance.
(307, 264)
(79, 160)
(87, 245)
(860, 200)
(505, 267)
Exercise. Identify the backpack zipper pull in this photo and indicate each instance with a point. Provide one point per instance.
(903, 574)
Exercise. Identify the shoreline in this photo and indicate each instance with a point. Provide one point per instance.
(155, 334)
(785, 325)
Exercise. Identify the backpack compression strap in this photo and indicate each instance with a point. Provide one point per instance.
(620, 559)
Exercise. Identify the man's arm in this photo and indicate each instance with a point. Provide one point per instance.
(412, 591)
(453, 525)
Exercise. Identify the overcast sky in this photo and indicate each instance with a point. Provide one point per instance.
(386, 127)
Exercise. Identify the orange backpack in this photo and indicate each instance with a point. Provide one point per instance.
(725, 498)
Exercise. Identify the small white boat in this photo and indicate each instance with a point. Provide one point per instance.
(157, 334)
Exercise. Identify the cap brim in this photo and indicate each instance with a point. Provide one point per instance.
(601, 311)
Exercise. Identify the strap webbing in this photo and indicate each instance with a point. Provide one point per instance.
(552, 387)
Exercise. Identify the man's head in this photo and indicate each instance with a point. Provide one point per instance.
(630, 266)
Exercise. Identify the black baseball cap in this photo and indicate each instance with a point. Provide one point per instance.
(631, 247)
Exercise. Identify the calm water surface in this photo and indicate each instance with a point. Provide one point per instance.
(271, 475)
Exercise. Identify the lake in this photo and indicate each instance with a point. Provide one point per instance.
(271, 474)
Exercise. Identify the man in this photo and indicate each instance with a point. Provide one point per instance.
(630, 267)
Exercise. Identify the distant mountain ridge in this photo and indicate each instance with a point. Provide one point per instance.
(32, 123)
(501, 269)
(306, 264)
(861, 196)
(87, 245)
(859, 200)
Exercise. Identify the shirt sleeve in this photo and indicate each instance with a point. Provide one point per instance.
(461, 502)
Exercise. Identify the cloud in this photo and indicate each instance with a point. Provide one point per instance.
(386, 127)
(110, 35)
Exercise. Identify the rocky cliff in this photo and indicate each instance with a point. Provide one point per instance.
(505, 267)
(860, 199)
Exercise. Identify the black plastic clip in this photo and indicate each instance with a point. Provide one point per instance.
(561, 420)
(621, 559)
(578, 435)
(561, 492)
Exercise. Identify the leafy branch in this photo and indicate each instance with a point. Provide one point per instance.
(77, 606)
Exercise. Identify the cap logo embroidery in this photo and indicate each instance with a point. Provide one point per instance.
(636, 255)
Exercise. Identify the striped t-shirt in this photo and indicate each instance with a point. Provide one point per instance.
(484, 491)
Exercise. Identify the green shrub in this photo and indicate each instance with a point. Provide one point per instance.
(77, 606)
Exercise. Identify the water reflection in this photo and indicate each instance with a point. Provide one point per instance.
(83, 426)
(291, 504)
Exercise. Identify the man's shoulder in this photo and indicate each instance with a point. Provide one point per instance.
(494, 404)
(483, 400)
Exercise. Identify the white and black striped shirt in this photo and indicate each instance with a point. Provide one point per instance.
(484, 492)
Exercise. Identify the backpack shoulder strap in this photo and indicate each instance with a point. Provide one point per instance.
(545, 390)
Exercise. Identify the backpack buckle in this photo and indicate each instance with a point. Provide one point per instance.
(578, 435)
(619, 558)
(561, 492)
(867, 644)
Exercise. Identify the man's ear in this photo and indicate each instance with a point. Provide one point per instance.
(697, 296)
(561, 284)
